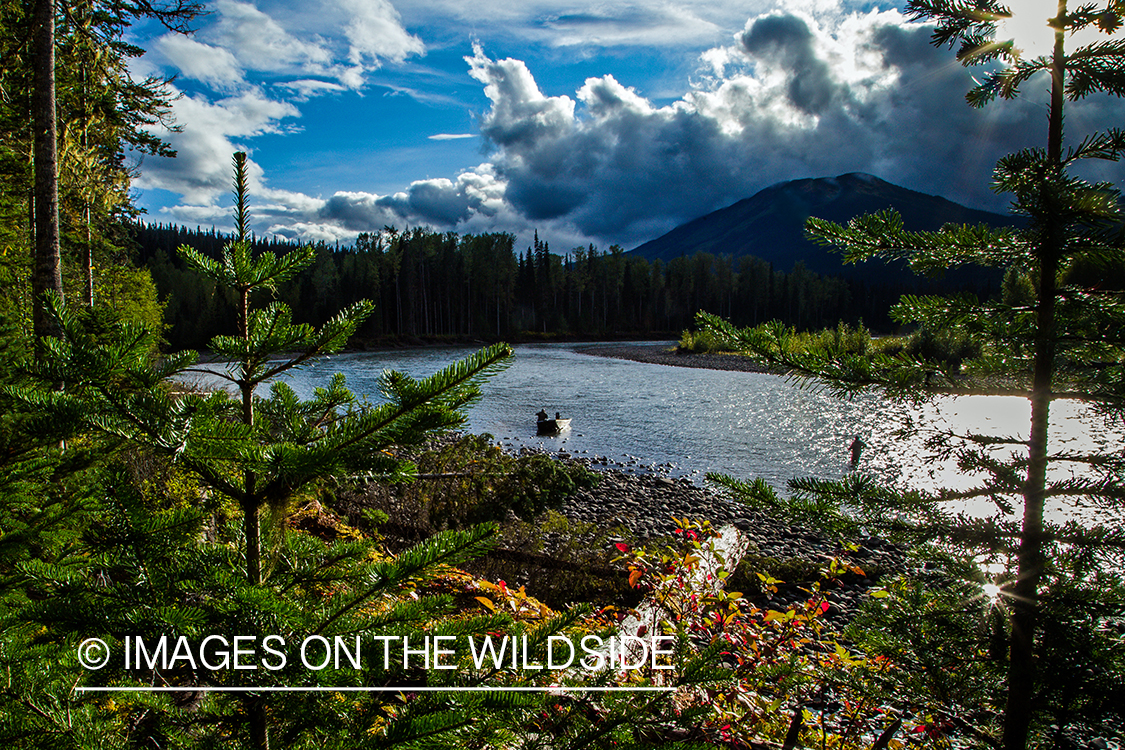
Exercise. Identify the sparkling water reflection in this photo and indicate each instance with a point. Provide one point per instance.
(690, 421)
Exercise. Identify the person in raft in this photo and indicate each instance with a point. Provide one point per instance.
(542, 415)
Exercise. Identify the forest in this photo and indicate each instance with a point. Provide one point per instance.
(138, 509)
(432, 285)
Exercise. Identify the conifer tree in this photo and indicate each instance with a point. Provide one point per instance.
(261, 452)
(194, 543)
(32, 49)
(1065, 341)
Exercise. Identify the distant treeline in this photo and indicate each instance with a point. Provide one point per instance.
(431, 284)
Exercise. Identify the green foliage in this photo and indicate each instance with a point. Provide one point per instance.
(945, 629)
(562, 560)
(147, 512)
(102, 113)
(758, 574)
(950, 348)
(940, 643)
(466, 480)
(788, 681)
(700, 342)
(469, 479)
(1055, 331)
(443, 287)
(808, 511)
(843, 340)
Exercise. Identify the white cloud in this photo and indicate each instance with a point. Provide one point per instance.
(472, 202)
(437, 202)
(520, 112)
(199, 215)
(200, 173)
(311, 232)
(810, 89)
(814, 93)
(309, 87)
(260, 42)
(451, 136)
(356, 36)
(214, 66)
(375, 32)
(588, 23)
(630, 25)
(286, 202)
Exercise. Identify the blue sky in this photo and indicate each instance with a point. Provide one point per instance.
(584, 121)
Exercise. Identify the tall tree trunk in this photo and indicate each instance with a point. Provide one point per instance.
(1025, 592)
(47, 272)
(88, 262)
(88, 251)
(251, 522)
(259, 724)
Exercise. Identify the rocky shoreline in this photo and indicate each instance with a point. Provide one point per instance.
(645, 503)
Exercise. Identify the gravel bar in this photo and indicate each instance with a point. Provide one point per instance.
(645, 504)
(661, 354)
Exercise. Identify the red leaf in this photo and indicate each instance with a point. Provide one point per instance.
(824, 606)
(622, 547)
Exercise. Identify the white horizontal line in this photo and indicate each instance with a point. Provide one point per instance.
(321, 689)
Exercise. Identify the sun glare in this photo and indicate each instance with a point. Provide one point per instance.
(991, 591)
(1029, 27)
(1029, 30)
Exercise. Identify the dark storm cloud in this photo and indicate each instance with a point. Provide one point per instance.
(787, 42)
(792, 99)
(441, 203)
(543, 199)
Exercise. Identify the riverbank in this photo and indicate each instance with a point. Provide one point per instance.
(568, 554)
(662, 354)
(645, 504)
(392, 343)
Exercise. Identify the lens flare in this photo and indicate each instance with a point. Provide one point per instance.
(1032, 34)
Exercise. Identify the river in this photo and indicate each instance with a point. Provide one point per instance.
(686, 421)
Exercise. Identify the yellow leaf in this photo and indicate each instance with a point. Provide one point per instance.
(486, 602)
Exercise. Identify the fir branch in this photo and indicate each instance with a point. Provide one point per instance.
(444, 548)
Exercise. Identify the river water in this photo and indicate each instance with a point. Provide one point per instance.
(686, 421)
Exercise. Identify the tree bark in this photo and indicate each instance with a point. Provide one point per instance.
(88, 262)
(1025, 592)
(47, 268)
(259, 725)
(251, 522)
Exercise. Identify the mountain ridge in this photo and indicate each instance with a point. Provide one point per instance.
(771, 224)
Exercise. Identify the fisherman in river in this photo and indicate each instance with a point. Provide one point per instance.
(542, 415)
(857, 448)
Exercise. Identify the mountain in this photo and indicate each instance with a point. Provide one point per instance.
(771, 224)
